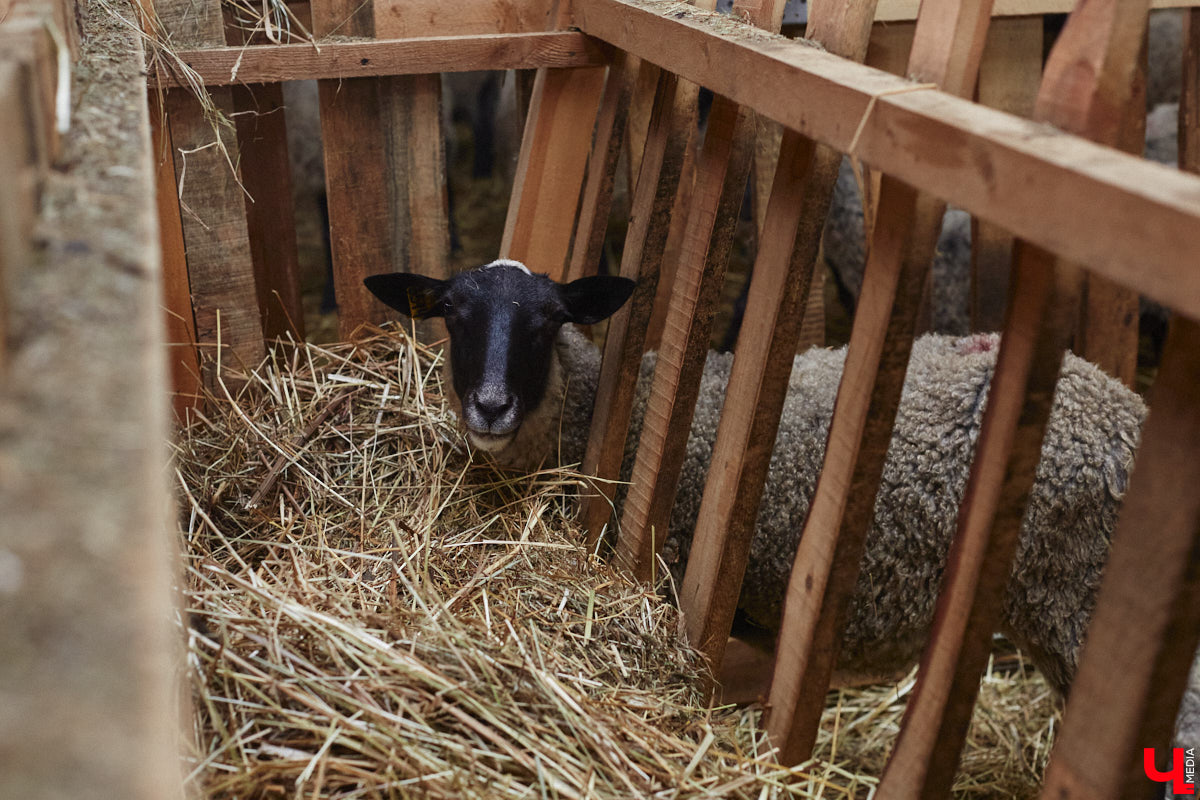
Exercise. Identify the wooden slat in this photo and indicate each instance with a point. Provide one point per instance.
(550, 168)
(1146, 627)
(783, 271)
(220, 265)
(400, 18)
(1019, 174)
(895, 10)
(266, 174)
(722, 170)
(596, 203)
(1189, 96)
(1106, 35)
(92, 650)
(1008, 80)
(947, 48)
(16, 200)
(653, 196)
(183, 360)
(358, 170)
(218, 66)
(26, 39)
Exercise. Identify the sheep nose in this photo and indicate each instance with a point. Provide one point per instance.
(493, 402)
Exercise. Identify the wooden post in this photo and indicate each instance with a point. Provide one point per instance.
(1189, 96)
(550, 168)
(266, 174)
(946, 50)
(611, 124)
(177, 296)
(1106, 35)
(1008, 80)
(216, 238)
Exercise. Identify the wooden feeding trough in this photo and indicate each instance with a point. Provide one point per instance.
(1072, 229)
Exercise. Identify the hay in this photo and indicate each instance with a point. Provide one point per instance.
(371, 613)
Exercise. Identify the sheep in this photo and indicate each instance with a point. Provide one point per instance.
(523, 379)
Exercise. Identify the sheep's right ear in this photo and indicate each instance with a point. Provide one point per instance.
(415, 296)
(598, 297)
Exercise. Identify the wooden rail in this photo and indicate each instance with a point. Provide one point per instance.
(221, 66)
(1025, 176)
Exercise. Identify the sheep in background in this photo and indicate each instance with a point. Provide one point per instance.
(523, 384)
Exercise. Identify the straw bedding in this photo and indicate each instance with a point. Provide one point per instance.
(370, 613)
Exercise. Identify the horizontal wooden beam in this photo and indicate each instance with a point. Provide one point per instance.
(1134, 222)
(897, 10)
(219, 66)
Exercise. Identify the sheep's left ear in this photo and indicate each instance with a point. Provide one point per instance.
(589, 300)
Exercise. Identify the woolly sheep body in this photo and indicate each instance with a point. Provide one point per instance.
(1086, 458)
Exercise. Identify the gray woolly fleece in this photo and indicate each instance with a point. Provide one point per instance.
(1086, 460)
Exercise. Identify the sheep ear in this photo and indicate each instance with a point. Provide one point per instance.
(415, 296)
(590, 300)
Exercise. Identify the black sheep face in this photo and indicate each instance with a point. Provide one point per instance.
(503, 321)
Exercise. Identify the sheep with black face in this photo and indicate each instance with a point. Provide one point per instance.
(526, 379)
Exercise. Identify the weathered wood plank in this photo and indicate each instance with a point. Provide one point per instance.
(1141, 642)
(1022, 175)
(92, 649)
(1008, 81)
(653, 196)
(596, 203)
(218, 66)
(16, 201)
(266, 174)
(1106, 35)
(359, 169)
(897, 10)
(550, 168)
(1189, 97)
(947, 47)
(182, 358)
(400, 18)
(216, 238)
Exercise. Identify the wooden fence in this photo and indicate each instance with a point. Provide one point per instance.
(1054, 195)
(1055, 198)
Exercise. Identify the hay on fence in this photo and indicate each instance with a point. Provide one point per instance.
(371, 613)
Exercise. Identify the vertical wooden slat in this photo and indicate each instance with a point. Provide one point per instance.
(722, 171)
(1189, 95)
(783, 271)
(15, 206)
(1146, 627)
(220, 264)
(177, 297)
(551, 165)
(611, 124)
(1108, 312)
(1106, 36)
(654, 194)
(550, 168)
(946, 50)
(1008, 80)
(266, 174)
